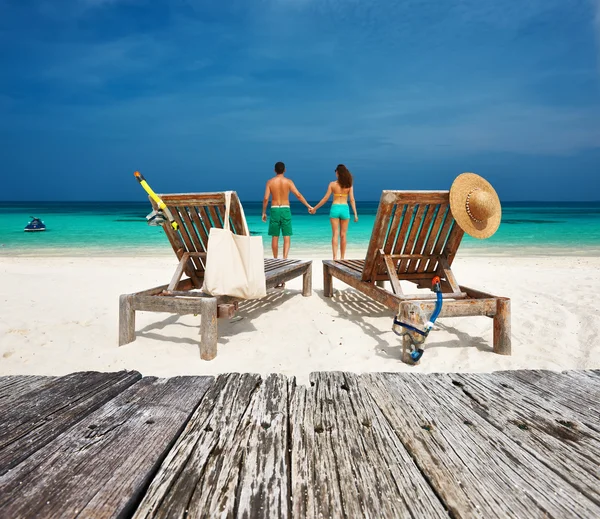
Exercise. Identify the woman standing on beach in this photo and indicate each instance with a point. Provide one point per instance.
(339, 214)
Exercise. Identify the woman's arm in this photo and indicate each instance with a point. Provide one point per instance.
(324, 199)
(353, 203)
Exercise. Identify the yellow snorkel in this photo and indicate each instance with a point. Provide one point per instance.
(156, 217)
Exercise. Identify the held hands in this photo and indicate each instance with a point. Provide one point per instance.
(312, 210)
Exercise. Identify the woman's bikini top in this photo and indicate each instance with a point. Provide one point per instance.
(341, 197)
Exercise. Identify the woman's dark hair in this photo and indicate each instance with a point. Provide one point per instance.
(344, 176)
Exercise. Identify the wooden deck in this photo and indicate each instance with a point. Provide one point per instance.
(510, 444)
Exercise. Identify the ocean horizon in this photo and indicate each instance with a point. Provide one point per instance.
(120, 228)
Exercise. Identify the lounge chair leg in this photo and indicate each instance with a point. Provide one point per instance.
(208, 329)
(307, 282)
(502, 336)
(126, 320)
(327, 282)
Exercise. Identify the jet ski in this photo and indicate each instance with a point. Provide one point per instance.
(35, 225)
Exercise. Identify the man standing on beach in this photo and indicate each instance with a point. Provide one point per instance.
(280, 221)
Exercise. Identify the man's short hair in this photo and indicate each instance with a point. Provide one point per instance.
(279, 168)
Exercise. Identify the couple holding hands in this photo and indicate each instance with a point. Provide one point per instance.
(280, 221)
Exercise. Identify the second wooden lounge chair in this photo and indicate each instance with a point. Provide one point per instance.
(415, 238)
(195, 214)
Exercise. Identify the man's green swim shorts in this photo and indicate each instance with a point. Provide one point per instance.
(280, 221)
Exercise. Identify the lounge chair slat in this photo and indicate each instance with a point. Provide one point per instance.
(357, 264)
(418, 248)
(407, 211)
(393, 230)
(432, 266)
(203, 213)
(435, 229)
(352, 265)
(202, 233)
(185, 236)
(215, 216)
(414, 230)
(192, 233)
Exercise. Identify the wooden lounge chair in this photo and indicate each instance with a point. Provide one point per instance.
(195, 214)
(415, 238)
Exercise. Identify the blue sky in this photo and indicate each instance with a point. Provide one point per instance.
(203, 96)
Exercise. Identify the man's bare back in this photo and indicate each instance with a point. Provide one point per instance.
(280, 190)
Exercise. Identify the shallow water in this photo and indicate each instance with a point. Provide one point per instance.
(101, 228)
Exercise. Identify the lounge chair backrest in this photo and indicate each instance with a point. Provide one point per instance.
(195, 214)
(417, 229)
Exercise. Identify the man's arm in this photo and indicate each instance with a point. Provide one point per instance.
(265, 202)
(299, 196)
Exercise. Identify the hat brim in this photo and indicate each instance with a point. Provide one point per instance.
(461, 187)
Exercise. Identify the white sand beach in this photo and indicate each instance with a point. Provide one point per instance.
(60, 315)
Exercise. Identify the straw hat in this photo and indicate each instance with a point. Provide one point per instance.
(475, 205)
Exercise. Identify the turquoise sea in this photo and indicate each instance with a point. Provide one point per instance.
(109, 228)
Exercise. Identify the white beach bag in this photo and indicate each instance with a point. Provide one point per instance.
(234, 263)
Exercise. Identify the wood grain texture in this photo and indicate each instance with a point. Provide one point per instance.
(16, 387)
(551, 433)
(39, 416)
(346, 459)
(99, 467)
(477, 470)
(200, 475)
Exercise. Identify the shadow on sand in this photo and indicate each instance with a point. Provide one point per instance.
(247, 310)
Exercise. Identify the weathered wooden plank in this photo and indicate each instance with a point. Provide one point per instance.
(476, 470)
(39, 416)
(175, 305)
(416, 197)
(346, 459)
(264, 479)
(99, 467)
(200, 475)
(15, 387)
(174, 199)
(404, 228)
(559, 389)
(553, 435)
